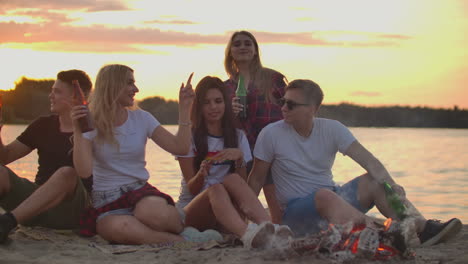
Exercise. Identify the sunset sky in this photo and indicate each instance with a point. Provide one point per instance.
(369, 52)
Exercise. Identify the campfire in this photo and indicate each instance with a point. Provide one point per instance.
(345, 242)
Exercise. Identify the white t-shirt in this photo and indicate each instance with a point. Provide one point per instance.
(218, 170)
(114, 166)
(301, 165)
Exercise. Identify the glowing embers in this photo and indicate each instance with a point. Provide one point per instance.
(345, 242)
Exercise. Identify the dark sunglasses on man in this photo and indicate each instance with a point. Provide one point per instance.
(290, 104)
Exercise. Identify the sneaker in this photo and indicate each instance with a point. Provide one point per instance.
(282, 236)
(194, 235)
(436, 232)
(7, 223)
(258, 236)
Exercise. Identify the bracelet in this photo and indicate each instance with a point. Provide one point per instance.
(185, 123)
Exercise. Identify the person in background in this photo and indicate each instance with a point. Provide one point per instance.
(126, 208)
(57, 196)
(214, 192)
(300, 151)
(264, 88)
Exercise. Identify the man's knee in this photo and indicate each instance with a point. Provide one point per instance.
(66, 174)
(324, 199)
(368, 184)
(65, 178)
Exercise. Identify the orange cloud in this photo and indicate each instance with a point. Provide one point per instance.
(14, 33)
(172, 22)
(89, 5)
(55, 26)
(102, 35)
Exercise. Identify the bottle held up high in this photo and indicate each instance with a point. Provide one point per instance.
(395, 202)
(84, 122)
(241, 93)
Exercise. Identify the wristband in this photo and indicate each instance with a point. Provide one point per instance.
(185, 123)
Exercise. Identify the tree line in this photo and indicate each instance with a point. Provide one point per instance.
(29, 100)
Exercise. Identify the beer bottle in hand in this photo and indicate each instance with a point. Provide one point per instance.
(241, 92)
(84, 122)
(394, 201)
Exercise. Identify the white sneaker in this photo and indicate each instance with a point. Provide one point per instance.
(282, 236)
(194, 235)
(258, 236)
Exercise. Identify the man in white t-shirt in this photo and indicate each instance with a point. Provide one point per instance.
(301, 149)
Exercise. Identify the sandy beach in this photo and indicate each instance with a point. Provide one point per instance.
(40, 245)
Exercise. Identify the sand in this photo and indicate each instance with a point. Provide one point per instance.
(41, 245)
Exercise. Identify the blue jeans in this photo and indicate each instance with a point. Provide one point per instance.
(301, 214)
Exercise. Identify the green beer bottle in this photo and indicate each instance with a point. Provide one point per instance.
(241, 92)
(394, 201)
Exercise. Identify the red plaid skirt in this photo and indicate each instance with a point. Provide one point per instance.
(128, 200)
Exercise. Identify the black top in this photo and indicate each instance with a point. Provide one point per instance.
(54, 147)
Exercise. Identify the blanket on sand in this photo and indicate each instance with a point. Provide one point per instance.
(42, 245)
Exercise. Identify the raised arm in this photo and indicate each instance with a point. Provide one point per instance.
(178, 144)
(82, 147)
(13, 151)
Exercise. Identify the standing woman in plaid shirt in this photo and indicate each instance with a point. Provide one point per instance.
(264, 88)
(127, 209)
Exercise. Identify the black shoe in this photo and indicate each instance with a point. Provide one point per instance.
(7, 223)
(436, 232)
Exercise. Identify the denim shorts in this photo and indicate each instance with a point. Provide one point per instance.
(101, 198)
(301, 214)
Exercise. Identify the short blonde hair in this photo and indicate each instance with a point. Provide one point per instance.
(311, 90)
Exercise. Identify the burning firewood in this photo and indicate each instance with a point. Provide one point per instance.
(344, 242)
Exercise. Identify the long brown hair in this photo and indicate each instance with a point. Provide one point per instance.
(262, 77)
(199, 129)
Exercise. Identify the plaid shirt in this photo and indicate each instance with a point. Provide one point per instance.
(259, 112)
(128, 200)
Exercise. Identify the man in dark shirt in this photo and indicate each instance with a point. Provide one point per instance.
(58, 195)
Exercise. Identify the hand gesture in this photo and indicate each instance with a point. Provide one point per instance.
(186, 94)
(205, 167)
(236, 106)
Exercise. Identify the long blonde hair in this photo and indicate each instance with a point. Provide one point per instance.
(262, 77)
(110, 81)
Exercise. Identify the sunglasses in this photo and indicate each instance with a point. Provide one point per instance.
(290, 104)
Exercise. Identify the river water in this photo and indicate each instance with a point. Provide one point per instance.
(432, 165)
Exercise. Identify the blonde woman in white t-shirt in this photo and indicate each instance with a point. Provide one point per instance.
(126, 208)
